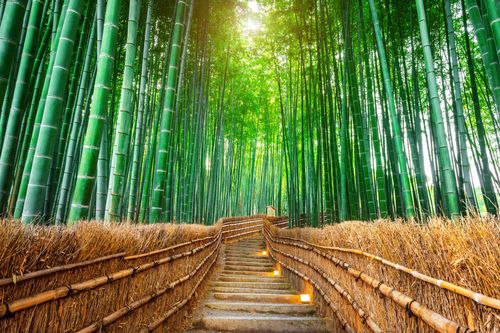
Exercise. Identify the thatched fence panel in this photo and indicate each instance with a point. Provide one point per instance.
(98, 276)
(368, 293)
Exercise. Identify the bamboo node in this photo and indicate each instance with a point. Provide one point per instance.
(408, 308)
(7, 313)
(377, 288)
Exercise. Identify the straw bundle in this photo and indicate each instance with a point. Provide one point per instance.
(120, 292)
(464, 254)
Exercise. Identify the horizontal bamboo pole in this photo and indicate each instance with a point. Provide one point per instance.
(137, 256)
(235, 224)
(241, 218)
(15, 279)
(245, 228)
(151, 327)
(282, 225)
(96, 326)
(242, 234)
(61, 292)
(431, 318)
(475, 296)
(363, 315)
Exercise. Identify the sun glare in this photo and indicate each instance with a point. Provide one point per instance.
(251, 20)
(251, 25)
(253, 6)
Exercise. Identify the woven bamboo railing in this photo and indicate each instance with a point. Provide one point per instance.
(345, 325)
(475, 296)
(21, 278)
(157, 293)
(363, 315)
(287, 249)
(11, 307)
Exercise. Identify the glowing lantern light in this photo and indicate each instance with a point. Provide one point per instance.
(276, 273)
(305, 298)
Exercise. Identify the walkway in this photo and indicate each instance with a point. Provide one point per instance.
(246, 297)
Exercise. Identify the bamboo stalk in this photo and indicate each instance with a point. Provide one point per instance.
(477, 297)
(17, 279)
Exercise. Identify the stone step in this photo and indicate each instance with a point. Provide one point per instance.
(248, 278)
(246, 246)
(263, 285)
(256, 290)
(264, 298)
(249, 253)
(242, 322)
(246, 297)
(246, 249)
(246, 258)
(263, 268)
(243, 244)
(248, 240)
(250, 261)
(253, 273)
(263, 307)
(269, 267)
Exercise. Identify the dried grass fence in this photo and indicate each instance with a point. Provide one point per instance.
(117, 277)
(396, 277)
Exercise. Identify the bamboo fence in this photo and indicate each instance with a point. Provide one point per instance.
(370, 298)
(142, 281)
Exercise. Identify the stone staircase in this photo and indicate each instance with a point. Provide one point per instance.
(247, 297)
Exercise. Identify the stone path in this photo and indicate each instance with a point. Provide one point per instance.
(247, 297)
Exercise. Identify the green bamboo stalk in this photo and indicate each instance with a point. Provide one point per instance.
(18, 106)
(71, 151)
(457, 85)
(160, 172)
(493, 10)
(446, 170)
(490, 62)
(47, 137)
(81, 201)
(119, 160)
(398, 140)
(10, 34)
(136, 159)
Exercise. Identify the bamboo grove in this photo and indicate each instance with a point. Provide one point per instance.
(411, 114)
(189, 110)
